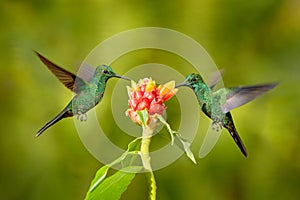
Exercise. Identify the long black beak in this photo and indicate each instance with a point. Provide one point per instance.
(181, 84)
(122, 77)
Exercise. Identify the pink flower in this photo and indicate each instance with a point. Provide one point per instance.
(144, 95)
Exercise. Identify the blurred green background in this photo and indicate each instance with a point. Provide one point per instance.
(253, 41)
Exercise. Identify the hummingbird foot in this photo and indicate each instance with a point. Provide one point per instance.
(217, 126)
(82, 116)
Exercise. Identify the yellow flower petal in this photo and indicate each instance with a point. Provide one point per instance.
(170, 85)
(129, 90)
(134, 85)
(150, 85)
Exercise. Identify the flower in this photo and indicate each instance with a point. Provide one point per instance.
(146, 96)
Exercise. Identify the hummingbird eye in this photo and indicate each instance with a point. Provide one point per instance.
(194, 79)
(105, 71)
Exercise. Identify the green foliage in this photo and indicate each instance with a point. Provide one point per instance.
(143, 116)
(185, 145)
(112, 187)
(182, 143)
(100, 176)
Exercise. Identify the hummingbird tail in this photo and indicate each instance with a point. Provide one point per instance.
(65, 113)
(234, 134)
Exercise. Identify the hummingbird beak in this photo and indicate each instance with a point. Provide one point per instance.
(181, 84)
(122, 77)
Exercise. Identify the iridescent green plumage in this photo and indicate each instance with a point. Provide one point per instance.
(216, 105)
(88, 93)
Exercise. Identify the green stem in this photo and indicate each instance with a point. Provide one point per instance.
(152, 186)
(145, 145)
(146, 160)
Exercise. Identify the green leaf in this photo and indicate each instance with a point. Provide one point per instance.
(182, 143)
(134, 145)
(114, 186)
(132, 153)
(179, 141)
(172, 133)
(143, 116)
(100, 175)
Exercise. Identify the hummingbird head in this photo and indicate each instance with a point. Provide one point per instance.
(107, 72)
(191, 80)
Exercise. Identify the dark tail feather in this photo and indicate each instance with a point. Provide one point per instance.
(63, 114)
(234, 134)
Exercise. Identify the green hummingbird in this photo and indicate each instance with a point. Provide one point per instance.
(89, 92)
(217, 104)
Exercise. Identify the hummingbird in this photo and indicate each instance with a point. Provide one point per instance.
(217, 104)
(89, 92)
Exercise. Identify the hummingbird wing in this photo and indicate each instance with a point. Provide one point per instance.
(86, 72)
(69, 79)
(214, 78)
(237, 96)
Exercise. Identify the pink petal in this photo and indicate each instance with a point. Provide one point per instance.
(145, 103)
(156, 109)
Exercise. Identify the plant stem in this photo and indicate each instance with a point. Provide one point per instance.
(146, 160)
(145, 145)
(152, 186)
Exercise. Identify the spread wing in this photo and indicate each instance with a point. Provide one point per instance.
(69, 79)
(238, 96)
(86, 72)
(214, 78)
